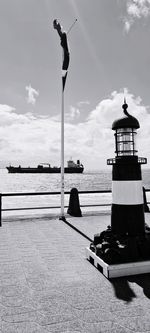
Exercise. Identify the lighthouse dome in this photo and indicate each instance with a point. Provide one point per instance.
(126, 122)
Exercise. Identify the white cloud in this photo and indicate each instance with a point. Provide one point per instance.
(35, 139)
(32, 94)
(127, 25)
(6, 108)
(73, 114)
(82, 103)
(136, 9)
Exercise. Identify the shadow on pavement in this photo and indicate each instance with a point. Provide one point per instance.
(122, 289)
(125, 292)
(143, 280)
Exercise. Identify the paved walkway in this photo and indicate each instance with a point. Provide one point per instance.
(47, 285)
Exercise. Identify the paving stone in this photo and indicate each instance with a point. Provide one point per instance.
(23, 327)
(73, 326)
(31, 316)
(135, 323)
(105, 327)
(13, 290)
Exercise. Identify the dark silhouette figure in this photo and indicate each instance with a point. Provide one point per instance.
(74, 204)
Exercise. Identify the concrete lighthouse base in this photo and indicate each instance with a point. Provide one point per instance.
(118, 270)
(120, 254)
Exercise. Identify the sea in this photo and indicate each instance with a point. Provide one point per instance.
(100, 180)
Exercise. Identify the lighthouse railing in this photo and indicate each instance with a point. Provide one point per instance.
(141, 160)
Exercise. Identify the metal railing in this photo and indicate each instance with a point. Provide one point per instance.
(20, 194)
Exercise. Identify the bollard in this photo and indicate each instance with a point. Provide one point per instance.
(146, 208)
(74, 204)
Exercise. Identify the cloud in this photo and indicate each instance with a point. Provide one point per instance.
(82, 103)
(73, 114)
(6, 108)
(35, 139)
(136, 9)
(32, 94)
(127, 25)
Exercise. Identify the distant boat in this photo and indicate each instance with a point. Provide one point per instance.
(72, 167)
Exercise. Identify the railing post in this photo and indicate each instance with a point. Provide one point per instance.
(0, 210)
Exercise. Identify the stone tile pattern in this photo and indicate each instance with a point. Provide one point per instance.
(47, 285)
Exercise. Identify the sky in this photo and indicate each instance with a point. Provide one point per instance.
(109, 59)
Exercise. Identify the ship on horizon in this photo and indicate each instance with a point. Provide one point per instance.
(72, 167)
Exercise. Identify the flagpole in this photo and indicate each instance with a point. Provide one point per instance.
(65, 63)
(62, 217)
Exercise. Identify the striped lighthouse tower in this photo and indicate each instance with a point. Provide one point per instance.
(127, 211)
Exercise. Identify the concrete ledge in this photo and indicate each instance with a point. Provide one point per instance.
(113, 271)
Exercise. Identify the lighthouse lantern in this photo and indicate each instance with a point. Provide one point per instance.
(125, 141)
(125, 134)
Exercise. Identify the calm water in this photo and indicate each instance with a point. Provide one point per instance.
(51, 182)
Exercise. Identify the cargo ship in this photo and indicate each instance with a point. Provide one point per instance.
(72, 167)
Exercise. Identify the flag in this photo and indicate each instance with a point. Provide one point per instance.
(66, 55)
(66, 58)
